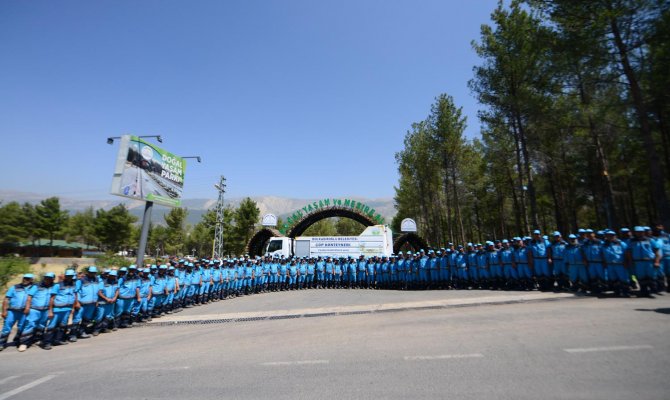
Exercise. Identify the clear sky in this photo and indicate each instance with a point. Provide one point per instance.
(290, 98)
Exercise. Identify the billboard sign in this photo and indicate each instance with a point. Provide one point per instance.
(146, 172)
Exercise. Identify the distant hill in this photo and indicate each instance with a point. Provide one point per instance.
(280, 206)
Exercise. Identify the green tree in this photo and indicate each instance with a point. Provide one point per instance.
(81, 226)
(12, 228)
(175, 221)
(201, 237)
(325, 227)
(348, 227)
(51, 219)
(114, 227)
(246, 217)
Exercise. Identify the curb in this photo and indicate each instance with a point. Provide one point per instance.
(381, 310)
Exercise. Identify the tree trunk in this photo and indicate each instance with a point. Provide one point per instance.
(520, 172)
(656, 173)
(459, 220)
(529, 174)
(515, 202)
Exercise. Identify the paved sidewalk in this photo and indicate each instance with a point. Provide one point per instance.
(341, 301)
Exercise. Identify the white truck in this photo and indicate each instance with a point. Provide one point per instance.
(376, 240)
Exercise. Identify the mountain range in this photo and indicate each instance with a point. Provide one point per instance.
(280, 206)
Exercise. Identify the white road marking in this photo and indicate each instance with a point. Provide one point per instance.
(286, 363)
(27, 386)
(157, 369)
(610, 348)
(9, 378)
(443, 357)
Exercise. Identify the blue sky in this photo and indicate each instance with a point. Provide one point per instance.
(302, 99)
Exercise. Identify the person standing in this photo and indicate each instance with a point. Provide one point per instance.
(64, 301)
(644, 256)
(39, 310)
(13, 308)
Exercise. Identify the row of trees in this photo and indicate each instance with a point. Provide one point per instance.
(116, 229)
(29, 223)
(575, 126)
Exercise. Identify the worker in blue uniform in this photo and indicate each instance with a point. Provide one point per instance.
(64, 301)
(361, 267)
(663, 243)
(482, 267)
(460, 261)
(523, 259)
(540, 254)
(108, 293)
(171, 287)
(293, 275)
(158, 293)
(644, 255)
(557, 258)
(39, 309)
(473, 269)
(370, 273)
(509, 269)
(576, 263)
(614, 254)
(128, 295)
(593, 251)
(87, 299)
(14, 307)
(494, 266)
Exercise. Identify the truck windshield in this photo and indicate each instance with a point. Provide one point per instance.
(274, 245)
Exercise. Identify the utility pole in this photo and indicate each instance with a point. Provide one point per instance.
(218, 232)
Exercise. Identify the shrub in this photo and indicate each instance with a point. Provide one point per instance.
(11, 266)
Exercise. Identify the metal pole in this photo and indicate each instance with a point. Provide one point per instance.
(146, 221)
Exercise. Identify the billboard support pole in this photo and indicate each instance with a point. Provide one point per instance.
(144, 235)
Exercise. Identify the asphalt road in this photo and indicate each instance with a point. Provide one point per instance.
(585, 348)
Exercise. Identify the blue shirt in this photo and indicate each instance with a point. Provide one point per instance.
(127, 288)
(18, 295)
(40, 296)
(87, 290)
(614, 252)
(65, 294)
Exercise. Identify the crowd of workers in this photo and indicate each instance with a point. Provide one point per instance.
(81, 304)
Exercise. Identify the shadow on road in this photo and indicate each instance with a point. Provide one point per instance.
(657, 310)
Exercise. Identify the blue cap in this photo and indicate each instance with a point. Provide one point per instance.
(556, 233)
(572, 236)
(153, 266)
(49, 275)
(600, 232)
(469, 244)
(505, 241)
(580, 230)
(29, 276)
(92, 268)
(132, 266)
(70, 272)
(625, 230)
(123, 269)
(113, 272)
(163, 267)
(536, 232)
(646, 228)
(610, 232)
(170, 268)
(588, 230)
(147, 270)
(638, 229)
(408, 252)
